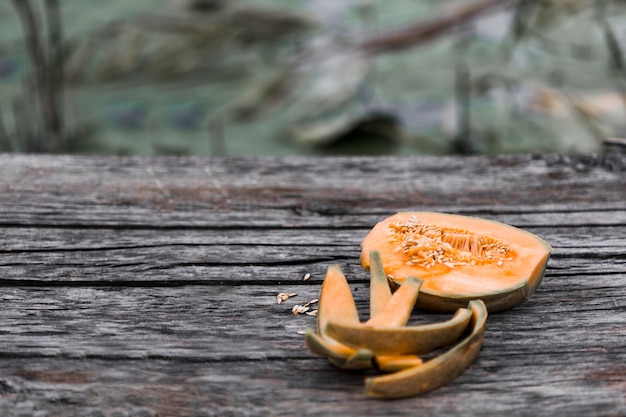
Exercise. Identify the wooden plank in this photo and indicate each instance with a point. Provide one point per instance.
(549, 384)
(244, 322)
(33, 239)
(29, 172)
(524, 359)
(292, 192)
(192, 274)
(329, 215)
(236, 264)
(65, 255)
(124, 270)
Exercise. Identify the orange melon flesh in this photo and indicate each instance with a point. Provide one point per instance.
(395, 363)
(459, 258)
(335, 300)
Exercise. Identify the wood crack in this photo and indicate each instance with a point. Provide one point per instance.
(156, 283)
(297, 262)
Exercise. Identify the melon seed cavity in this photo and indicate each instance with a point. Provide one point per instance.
(428, 245)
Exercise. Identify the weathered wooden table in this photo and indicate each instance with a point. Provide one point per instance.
(147, 287)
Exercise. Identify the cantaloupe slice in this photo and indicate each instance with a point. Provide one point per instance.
(386, 340)
(336, 303)
(380, 291)
(335, 300)
(398, 309)
(459, 258)
(435, 372)
(327, 348)
(338, 354)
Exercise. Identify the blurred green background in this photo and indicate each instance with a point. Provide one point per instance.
(311, 77)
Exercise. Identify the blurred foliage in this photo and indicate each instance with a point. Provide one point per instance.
(272, 77)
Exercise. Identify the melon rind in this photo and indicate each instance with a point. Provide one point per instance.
(437, 371)
(406, 340)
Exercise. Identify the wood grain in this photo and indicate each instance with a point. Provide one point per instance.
(146, 287)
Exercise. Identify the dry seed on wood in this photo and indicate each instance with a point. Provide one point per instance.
(299, 309)
(306, 277)
(283, 296)
(313, 301)
(311, 313)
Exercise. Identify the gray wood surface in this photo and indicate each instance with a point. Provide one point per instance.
(146, 287)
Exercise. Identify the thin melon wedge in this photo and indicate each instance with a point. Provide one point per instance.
(335, 301)
(386, 340)
(398, 309)
(338, 354)
(435, 372)
(380, 291)
(327, 347)
(337, 304)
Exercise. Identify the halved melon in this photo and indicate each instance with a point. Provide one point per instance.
(459, 258)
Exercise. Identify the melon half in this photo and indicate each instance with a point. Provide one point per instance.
(459, 259)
